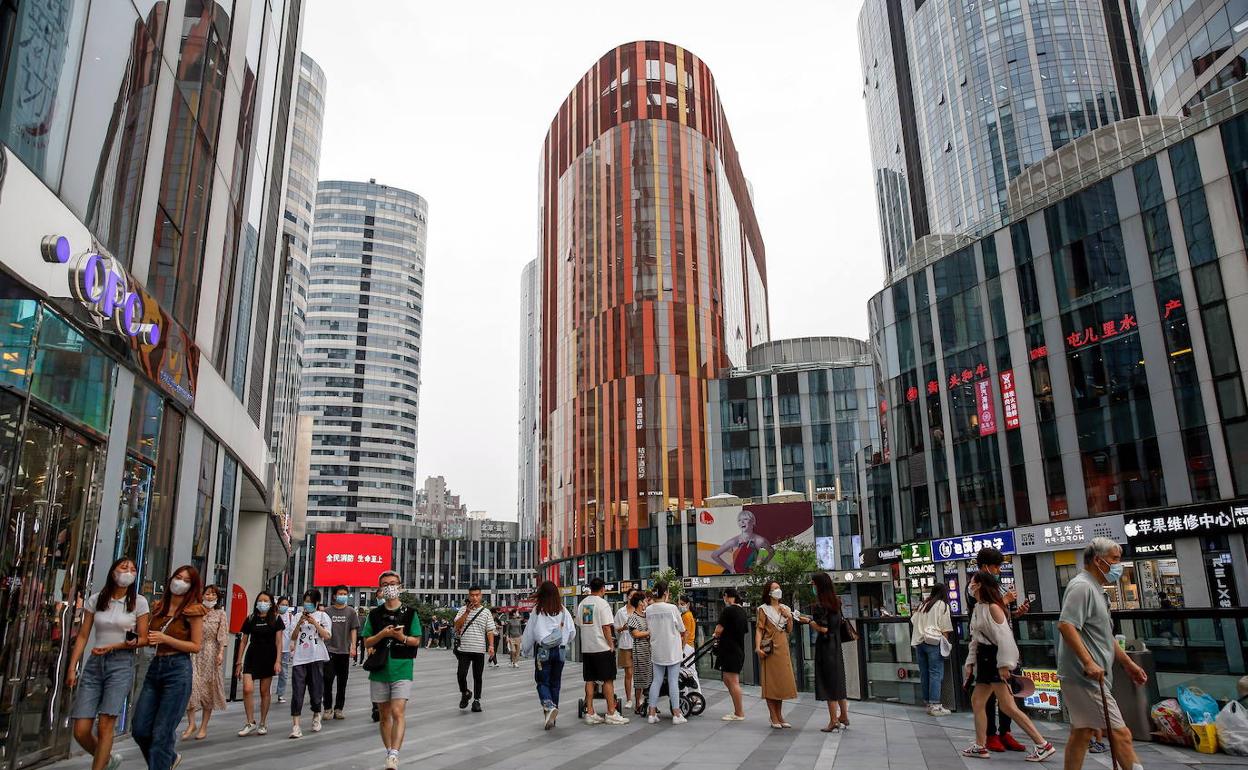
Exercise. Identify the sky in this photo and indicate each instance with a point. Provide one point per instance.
(453, 99)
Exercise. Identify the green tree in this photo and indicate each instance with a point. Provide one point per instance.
(792, 566)
(670, 577)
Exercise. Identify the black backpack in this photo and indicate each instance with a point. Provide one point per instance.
(380, 617)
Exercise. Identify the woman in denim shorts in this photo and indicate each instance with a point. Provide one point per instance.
(117, 619)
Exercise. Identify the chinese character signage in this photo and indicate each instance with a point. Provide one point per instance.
(983, 405)
(965, 547)
(1009, 399)
(1190, 521)
(350, 559)
(1068, 535)
(1048, 694)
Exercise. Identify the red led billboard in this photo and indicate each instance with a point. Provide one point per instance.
(350, 559)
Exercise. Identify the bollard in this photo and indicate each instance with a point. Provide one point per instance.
(238, 641)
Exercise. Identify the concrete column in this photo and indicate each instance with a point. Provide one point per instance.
(1192, 568)
(114, 470)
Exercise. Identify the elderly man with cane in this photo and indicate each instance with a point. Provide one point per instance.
(1086, 652)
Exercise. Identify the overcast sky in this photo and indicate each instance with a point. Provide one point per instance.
(452, 100)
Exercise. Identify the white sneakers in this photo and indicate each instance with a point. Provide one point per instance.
(616, 719)
(628, 704)
(593, 719)
(392, 761)
(731, 718)
(549, 720)
(248, 729)
(653, 719)
(316, 722)
(296, 732)
(679, 719)
(937, 710)
(262, 730)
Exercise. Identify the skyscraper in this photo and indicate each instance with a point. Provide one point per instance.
(529, 458)
(653, 280)
(361, 379)
(1191, 50)
(961, 97)
(301, 176)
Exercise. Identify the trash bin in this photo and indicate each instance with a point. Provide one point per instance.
(1134, 701)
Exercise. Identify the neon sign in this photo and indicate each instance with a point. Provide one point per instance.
(104, 288)
(1078, 339)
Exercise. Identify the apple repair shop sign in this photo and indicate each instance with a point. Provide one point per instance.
(104, 288)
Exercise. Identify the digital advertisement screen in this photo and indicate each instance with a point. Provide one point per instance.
(350, 559)
(732, 539)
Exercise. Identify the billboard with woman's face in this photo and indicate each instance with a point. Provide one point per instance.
(732, 540)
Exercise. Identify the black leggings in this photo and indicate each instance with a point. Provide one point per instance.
(477, 660)
(336, 669)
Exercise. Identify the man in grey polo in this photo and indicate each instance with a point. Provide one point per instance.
(1086, 651)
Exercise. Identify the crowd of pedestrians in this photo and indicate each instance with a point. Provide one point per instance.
(649, 639)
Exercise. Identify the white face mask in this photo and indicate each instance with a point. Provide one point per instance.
(210, 603)
(389, 592)
(124, 579)
(776, 593)
(179, 587)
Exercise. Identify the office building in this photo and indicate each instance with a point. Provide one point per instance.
(361, 375)
(143, 162)
(529, 458)
(1190, 50)
(653, 279)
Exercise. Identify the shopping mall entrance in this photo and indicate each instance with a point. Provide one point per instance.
(49, 537)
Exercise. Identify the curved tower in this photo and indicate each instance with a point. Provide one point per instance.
(361, 377)
(653, 279)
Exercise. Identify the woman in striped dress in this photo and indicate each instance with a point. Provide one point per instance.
(643, 673)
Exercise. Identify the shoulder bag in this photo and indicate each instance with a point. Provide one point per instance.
(459, 632)
(848, 634)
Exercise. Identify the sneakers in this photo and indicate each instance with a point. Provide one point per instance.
(316, 722)
(338, 714)
(593, 719)
(975, 751)
(937, 710)
(628, 704)
(615, 718)
(549, 721)
(653, 719)
(1041, 753)
(679, 719)
(1097, 747)
(248, 729)
(177, 760)
(114, 762)
(296, 732)
(281, 699)
(994, 744)
(464, 698)
(1010, 743)
(476, 707)
(392, 761)
(731, 718)
(262, 730)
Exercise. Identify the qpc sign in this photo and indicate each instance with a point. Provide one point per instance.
(350, 559)
(967, 546)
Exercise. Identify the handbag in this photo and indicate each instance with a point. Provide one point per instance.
(848, 634)
(459, 633)
(946, 647)
(377, 660)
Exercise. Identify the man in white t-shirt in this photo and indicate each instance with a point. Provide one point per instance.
(624, 647)
(597, 632)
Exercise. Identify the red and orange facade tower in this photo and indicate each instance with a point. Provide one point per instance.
(653, 281)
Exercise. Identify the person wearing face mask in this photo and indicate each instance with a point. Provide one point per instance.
(259, 660)
(307, 634)
(1086, 653)
(346, 625)
(666, 652)
(115, 620)
(175, 632)
(393, 631)
(207, 684)
(771, 643)
(1000, 738)
(283, 647)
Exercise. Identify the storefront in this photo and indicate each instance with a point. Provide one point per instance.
(1183, 557)
(955, 559)
(1049, 554)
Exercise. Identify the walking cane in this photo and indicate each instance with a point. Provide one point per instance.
(1109, 731)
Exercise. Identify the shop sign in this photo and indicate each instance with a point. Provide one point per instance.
(967, 546)
(694, 582)
(1222, 581)
(1209, 519)
(987, 412)
(920, 577)
(886, 555)
(916, 552)
(1009, 399)
(1068, 535)
(862, 576)
(1048, 694)
(1152, 549)
(955, 596)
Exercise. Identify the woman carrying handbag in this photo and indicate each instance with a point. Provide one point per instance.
(832, 630)
(771, 644)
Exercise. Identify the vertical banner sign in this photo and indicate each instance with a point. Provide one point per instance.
(983, 402)
(238, 608)
(1009, 399)
(1222, 581)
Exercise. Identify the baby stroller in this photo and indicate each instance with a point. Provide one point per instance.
(692, 701)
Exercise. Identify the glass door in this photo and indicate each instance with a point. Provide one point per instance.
(51, 526)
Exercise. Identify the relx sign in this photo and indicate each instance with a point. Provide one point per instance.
(105, 289)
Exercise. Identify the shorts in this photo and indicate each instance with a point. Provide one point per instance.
(624, 658)
(1084, 705)
(598, 666)
(986, 664)
(380, 692)
(104, 685)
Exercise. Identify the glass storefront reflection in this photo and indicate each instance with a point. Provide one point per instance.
(72, 374)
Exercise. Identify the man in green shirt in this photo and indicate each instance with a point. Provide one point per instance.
(395, 629)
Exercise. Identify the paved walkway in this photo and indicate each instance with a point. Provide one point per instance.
(508, 735)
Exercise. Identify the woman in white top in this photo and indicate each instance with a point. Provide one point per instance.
(667, 632)
(930, 626)
(118, 616)
(546, 637)
(307, 633)
(992, 656)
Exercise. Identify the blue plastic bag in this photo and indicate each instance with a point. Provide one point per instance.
(1198, 706)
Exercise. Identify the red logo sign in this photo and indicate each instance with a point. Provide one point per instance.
(987, 413)
(1009, 399)
(351, 559)
(238, 608)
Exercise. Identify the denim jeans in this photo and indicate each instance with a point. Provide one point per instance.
(162, 701)
(285, 674)
(672, 673)
(549, 678)
(931, 671)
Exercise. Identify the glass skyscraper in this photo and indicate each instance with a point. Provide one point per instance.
(1190, 49)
